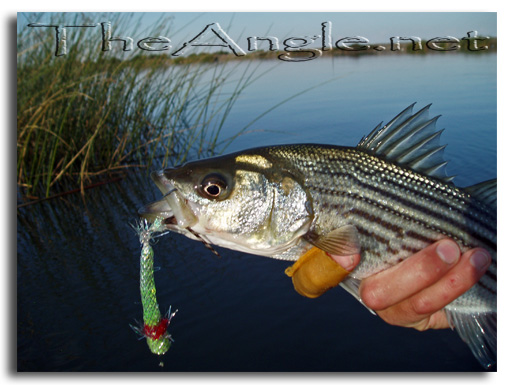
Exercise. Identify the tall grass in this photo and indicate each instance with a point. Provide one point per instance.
(90, 113)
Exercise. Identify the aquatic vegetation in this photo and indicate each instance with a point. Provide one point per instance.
(91, 113)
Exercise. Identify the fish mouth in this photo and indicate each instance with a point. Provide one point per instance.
(163, 183)
(160, 209)
(173, 208)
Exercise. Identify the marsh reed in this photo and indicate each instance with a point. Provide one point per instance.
(89, 114)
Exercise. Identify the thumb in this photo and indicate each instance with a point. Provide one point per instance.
(347, 262)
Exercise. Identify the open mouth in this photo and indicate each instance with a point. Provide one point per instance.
(158, 209)
(162, 207)
(173, 208)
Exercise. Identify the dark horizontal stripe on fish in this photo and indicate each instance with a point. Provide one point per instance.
(420, 237)
(387, 225)
(484, 286)
(415, 235)
(423, 238)
(413, 250)
(410, 249)
(451, 200)
(425, 210)
(423, 195)
(378, 238)
(395, 212)
(373, 218)
(491, 275)
(378, 206)
(369, 160)
(449, 190)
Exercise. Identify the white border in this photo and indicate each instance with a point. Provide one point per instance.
(505, 165)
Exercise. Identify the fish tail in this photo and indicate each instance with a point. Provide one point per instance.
(478, 330)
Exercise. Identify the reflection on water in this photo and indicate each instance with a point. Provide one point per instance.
(78, 262)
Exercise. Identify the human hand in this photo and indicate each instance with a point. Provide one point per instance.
(414, 292)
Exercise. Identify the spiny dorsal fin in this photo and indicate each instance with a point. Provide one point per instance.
(484, 192)
(411, 140)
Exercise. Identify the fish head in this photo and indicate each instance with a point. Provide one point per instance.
(242, 201)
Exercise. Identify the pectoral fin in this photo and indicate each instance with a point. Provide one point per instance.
(342, 241)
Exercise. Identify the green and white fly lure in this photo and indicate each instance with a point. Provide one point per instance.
(155, 327)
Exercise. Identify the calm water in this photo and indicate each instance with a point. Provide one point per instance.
(78, 263)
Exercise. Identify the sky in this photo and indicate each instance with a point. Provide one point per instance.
(376, 26)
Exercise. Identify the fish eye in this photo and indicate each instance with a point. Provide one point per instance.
(213, 186)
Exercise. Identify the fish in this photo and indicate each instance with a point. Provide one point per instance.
(386, 198)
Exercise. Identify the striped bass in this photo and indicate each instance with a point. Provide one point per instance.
(387, 198)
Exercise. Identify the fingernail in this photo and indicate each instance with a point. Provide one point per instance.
(480, 259)
(448, 251)
(348, 263)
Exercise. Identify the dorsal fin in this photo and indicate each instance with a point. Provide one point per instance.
(411, 140)
(484, 192)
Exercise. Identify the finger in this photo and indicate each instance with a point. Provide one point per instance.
(422, 310)
(438, 320)
(400, 282)
(347, 262)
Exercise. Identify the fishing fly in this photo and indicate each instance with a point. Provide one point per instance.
(155, 326)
